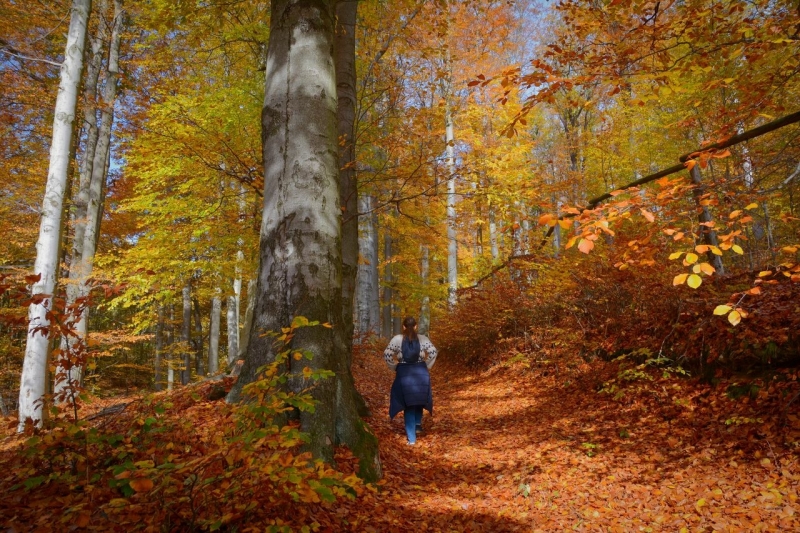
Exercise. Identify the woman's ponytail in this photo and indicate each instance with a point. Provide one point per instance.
(409, 328)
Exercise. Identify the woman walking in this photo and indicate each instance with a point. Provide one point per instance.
(411, 356)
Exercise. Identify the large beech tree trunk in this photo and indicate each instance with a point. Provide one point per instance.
(34, 368)
(300, 273)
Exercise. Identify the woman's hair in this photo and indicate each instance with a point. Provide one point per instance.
(408, 328)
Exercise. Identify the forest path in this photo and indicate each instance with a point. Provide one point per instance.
(510, 449)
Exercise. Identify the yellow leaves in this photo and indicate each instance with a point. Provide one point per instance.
(691, 258)
(764, 273)
(789, 249)
(700, 504)
(722, 310)
(738, 249)
(734, 214)
(675, 255)
(751, 206)
(694, 281)
(680, 279)
(734, 317)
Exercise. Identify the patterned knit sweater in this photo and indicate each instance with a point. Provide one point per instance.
(393, 352)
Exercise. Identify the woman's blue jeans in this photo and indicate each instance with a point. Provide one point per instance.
(413, 416)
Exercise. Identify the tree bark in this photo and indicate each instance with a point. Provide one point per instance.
(171, 352)
(345, 65)
(94, 207)
(452, 233)
(159, 348)
(186, 333)
(388, 324)
(232, 322)
(213, 336)
(368, 287)
(34, 368)
(708, 233)
(493, 236)
(425, 308)
(197, 341)
(90, 123)
(300, 269)
(247, 324)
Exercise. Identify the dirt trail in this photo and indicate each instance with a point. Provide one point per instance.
(513, 450)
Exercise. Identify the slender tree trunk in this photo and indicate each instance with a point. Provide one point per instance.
(387, 284)
(186, 334)
(368, 298)
(452, 233)
(213, 336)
(345, 65)
(34, 368)
(232, 322)
(159, 348)
(425, 308)
(171, 352)
(493, 236)
(247, 324)
(197, 341)
(709, 235)
(82, 265)
(90, 123)
(300, 250)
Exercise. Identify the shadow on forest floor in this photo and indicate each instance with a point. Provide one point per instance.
(510, 449)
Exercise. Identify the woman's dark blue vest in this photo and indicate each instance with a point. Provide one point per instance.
(412, 382)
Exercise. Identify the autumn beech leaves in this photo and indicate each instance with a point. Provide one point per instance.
(672, 211)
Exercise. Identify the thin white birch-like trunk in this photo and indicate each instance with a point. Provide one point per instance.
(493, 236)
(452, 233)
(197, 340)
(213, 336)
(232, 322)
(367, 296)
(388, 325)
(81, 201)
(171, 352)
(425, 308)
(159, 355)
(93, 69)
(34, 367)
(186, 333)
(94, 207)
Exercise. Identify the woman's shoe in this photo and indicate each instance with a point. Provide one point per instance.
(409, 443)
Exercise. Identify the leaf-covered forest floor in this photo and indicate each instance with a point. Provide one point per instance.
(514, 447)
